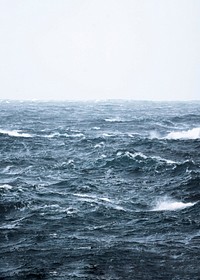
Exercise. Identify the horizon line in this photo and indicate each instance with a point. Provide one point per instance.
(95, 100)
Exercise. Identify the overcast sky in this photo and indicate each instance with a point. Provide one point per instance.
(99, 49)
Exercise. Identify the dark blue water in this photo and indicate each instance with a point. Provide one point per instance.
(99, 190)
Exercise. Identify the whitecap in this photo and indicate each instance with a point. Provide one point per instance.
(6, 187)
(168, 161)
(99, 145)
(70, 161)
(52, 135)
(7, 169)
(83, 195)
(136, 154)
(133, 134)
(53, 235)
(107, 135)
(100, 200)
(76, 135)
(143, 156)
(117, 119)
(15, 133)
(193, 133)
(154, 134)
(53, 273)
(171, 205)
(105, 199)
(103, 156)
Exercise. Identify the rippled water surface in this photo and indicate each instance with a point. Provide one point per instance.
(99, 190)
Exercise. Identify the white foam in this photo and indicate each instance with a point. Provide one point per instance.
(7, 169)
(143, 156)
(171, 205)
(117, 119)
(105, 199)
(154, 134)
(55, 134)
(133, 134)
(103, 156)
(70, 161)
(185, 134)
(52, 135)
(164, 160)
(15, 133)
(100, 145)
(107, 135)
(53, 273)
(137, 154)
(74, 135)
(99, 200)
(84, 195)
(6, 187)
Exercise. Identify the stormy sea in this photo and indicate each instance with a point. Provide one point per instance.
(99, 190)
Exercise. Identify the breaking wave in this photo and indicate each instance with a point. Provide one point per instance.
(117, 119)
(15, 133)
(185, 134)
(167, 204)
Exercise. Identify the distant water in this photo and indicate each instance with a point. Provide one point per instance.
(99, 190)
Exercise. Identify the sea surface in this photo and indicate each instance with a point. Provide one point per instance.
(99, 190)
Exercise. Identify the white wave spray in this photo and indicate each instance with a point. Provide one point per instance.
(167, 204)
(15, 133)
(185, 134)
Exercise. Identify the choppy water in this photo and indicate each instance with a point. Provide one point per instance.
(105, 190)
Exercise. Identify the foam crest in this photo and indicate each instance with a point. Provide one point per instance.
(100, 200)
(136, 154)
(100, 145)
(57, 134)
(132, 155)
(6, 187)
(168, 161)
(107, 135)
(185, 134)
(140, 155)
(52, 135)
(171, 205)
(154, 134)
(15, 133)
(117, 119)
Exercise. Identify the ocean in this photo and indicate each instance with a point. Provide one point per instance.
(99, 190)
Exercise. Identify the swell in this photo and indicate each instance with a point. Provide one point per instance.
(94, 194)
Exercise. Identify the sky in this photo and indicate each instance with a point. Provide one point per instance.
(100, 49)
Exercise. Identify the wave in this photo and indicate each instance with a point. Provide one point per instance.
(99, 200)
(171, 205)
(107, 135)
(67, 135)
(99, 145)
(193, 133)
(117, 119)
(52, 135)
(164, 160)
(15, 133)
(140, 156)
(6, 187)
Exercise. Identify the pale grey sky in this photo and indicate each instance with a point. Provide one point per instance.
(99, 49)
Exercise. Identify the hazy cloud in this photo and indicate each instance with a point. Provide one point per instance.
(95, 49)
